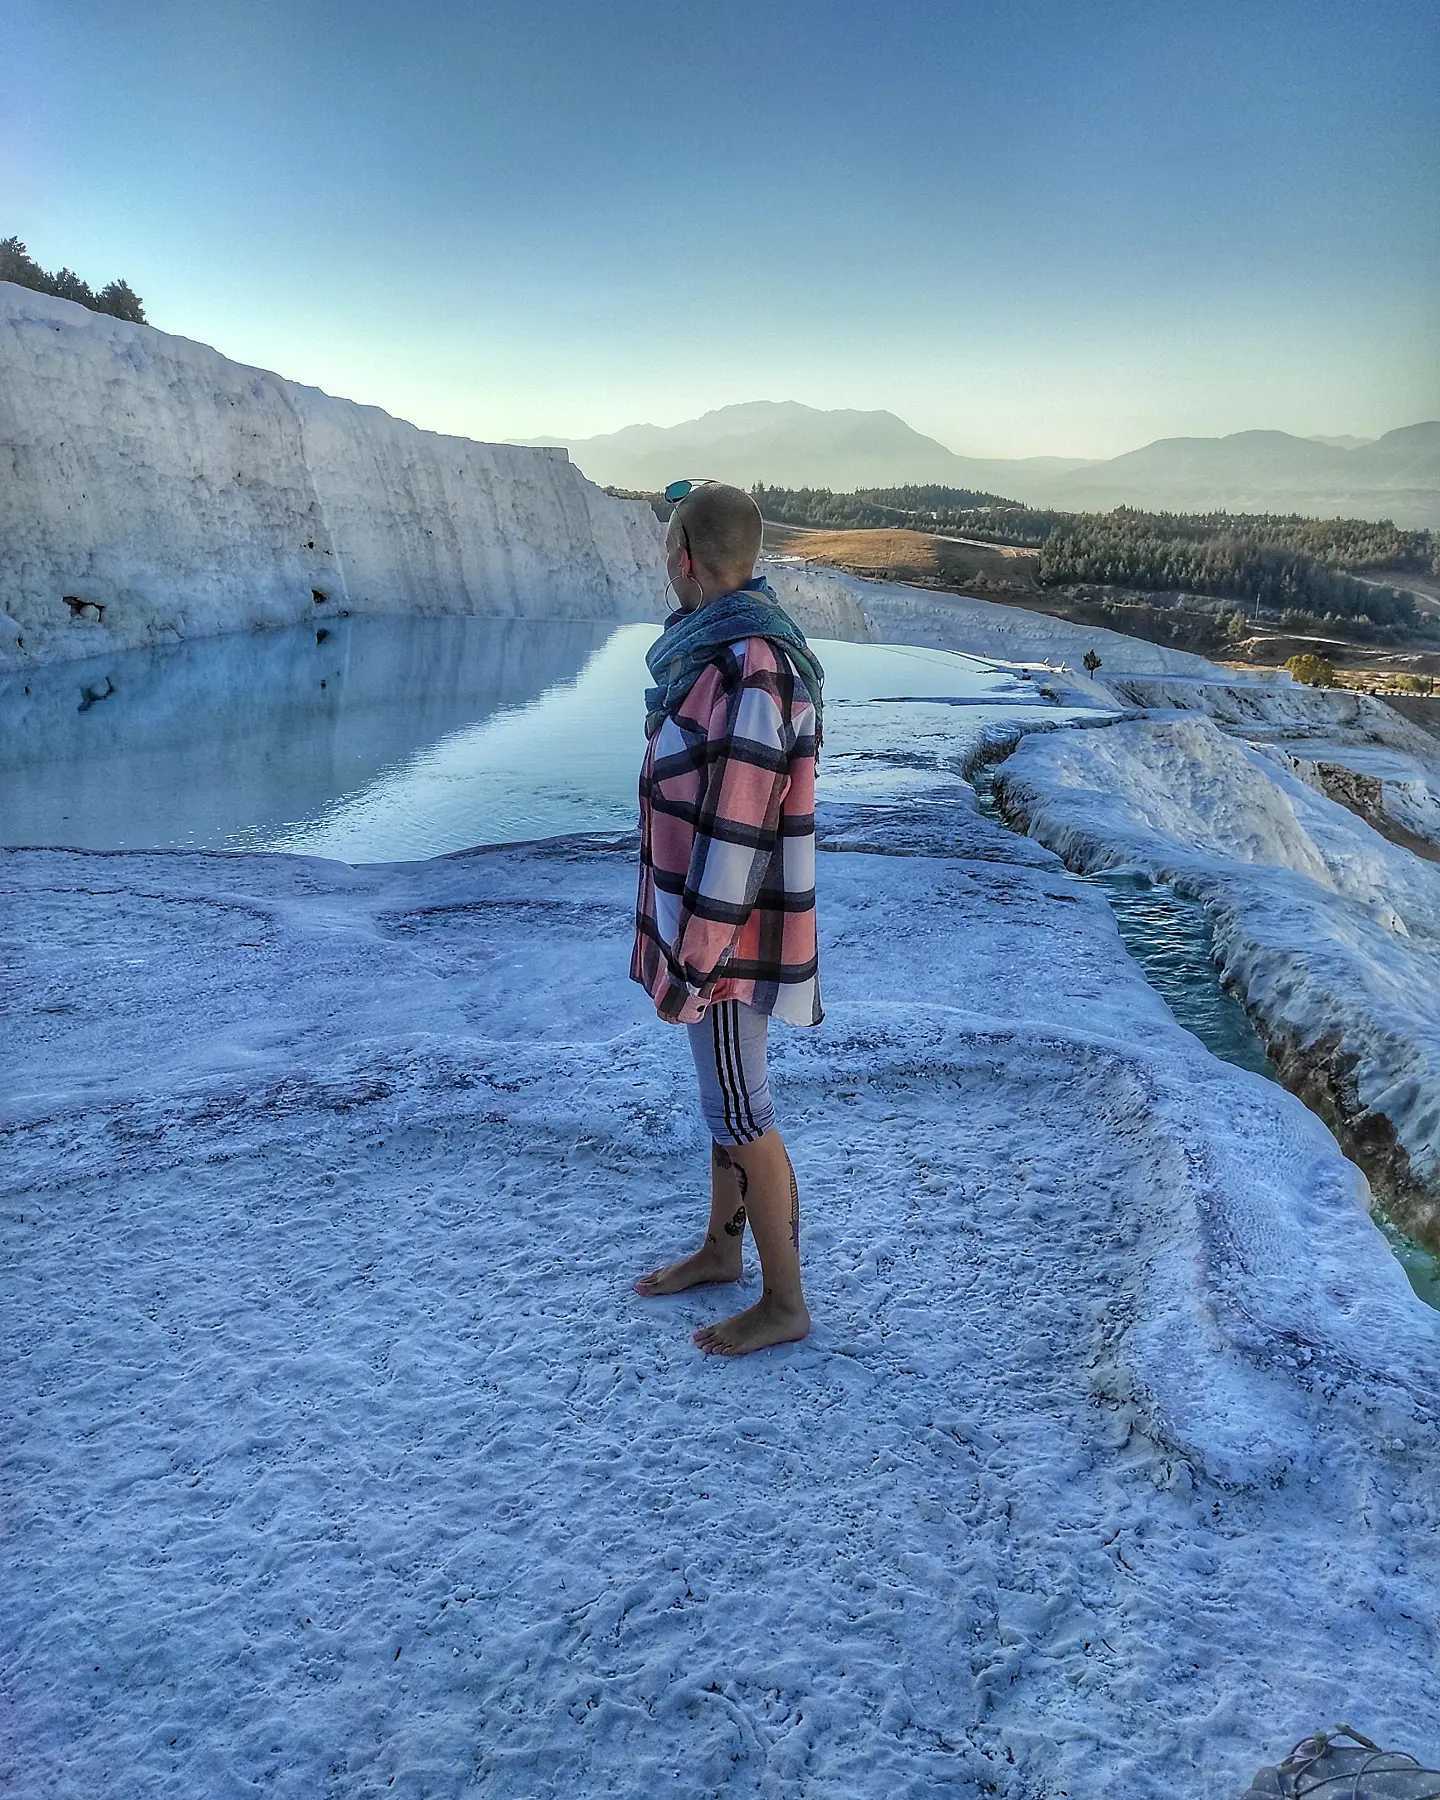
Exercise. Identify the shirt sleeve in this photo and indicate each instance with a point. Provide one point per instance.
(737, 824)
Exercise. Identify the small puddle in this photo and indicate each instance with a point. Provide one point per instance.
(1169, 937)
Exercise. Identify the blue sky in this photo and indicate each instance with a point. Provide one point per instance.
(1031, 228)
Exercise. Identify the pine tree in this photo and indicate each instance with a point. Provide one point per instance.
(17, 264)
(121, 300)
(65, 284)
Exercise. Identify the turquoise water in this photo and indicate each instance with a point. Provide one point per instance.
(1169, 937)
(370, 740)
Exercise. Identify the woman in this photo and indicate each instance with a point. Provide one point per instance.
(725, 916)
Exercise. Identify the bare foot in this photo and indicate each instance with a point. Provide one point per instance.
(768, 1321)
(709, 1264)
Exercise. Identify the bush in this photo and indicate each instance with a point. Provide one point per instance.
(1312, 671)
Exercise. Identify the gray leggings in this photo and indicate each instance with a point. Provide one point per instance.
(728, 1045)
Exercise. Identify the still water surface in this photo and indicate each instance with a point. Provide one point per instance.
(369, 740)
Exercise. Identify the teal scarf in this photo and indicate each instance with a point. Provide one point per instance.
(689, 642)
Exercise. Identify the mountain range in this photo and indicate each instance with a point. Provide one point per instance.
(785, 444)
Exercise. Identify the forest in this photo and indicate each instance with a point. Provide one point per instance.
(1140, 551)
(1281, 563)
(917, 508)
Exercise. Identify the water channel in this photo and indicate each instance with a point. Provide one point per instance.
(1169, 937)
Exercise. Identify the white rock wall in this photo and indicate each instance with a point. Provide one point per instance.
(1280, 706)
(1314, 729)
(185, 494)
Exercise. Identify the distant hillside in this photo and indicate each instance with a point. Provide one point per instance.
(1395, 477)
(793, 446)
(788, 445)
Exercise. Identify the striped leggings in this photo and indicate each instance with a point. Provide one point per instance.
(728, 1045)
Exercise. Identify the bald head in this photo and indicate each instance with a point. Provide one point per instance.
(721, 528)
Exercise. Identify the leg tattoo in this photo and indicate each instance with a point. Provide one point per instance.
(721, 1159)
(726, 1161)
(794, 1207)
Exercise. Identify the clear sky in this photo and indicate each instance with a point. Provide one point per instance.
(1033, 227)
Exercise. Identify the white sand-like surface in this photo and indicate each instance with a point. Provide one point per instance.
(341, 1458)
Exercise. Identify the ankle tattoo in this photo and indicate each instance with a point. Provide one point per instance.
(794, 1206)
(736, 1225)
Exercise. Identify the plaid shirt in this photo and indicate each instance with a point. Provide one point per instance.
(726, 904)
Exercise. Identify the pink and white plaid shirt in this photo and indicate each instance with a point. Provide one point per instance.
(726, 903)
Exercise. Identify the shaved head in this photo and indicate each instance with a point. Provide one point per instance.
(722, 527)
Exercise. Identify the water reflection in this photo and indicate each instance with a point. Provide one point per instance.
(254, 739)
(365, 739)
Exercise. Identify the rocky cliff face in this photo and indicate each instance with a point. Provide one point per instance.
(154, 490)
(157, 491)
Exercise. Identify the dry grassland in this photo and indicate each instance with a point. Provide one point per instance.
(907, 556)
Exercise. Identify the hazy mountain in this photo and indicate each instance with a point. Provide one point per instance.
(790, 445)
(1396, 476)
(1412, 453)
(1343, 442)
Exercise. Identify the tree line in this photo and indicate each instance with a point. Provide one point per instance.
(117, 298)
(919, 508)
(1134, 550)
(1353, 544)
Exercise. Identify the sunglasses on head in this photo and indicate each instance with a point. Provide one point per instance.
(678, 490)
